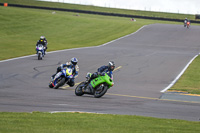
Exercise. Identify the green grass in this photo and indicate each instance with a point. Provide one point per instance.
(190, 80)
(21, 28)
(38, 122)
(101, 9)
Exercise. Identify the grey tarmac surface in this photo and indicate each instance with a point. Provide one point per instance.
(149, 61)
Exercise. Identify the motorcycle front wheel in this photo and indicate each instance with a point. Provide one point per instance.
(50, 85)
(39, 56)
(100, 90)
(60, 83)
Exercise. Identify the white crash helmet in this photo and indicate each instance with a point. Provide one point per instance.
(74, 61)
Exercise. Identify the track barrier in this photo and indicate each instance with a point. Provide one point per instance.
(100, 13)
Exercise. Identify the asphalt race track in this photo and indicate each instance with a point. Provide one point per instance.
(147, 61)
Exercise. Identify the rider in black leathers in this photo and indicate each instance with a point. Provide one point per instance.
(42, 41)
(185, 22)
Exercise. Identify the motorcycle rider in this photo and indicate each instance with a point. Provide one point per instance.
(185, 21)
(101, 71)
(42, 41)
(73, 65)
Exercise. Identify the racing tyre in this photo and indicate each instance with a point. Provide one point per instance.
(50, 85)
(59, 83)
(39, 56)
(78, 90)
(100, 90)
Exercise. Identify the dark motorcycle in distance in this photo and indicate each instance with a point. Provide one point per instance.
(40, 51)
(186, 23)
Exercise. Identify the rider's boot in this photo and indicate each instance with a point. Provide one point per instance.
(88, 80)
(89, 89)
(52, 77)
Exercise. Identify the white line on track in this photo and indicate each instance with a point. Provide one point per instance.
(176, 79)
(76, 48)
(74, 112)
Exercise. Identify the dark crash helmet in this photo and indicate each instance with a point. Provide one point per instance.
(74, 61)
(111, 66)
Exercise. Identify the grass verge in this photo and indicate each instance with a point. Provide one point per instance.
(189, 81)
(89, 123)
(21, 28)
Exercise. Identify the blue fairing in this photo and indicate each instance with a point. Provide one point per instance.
(42, 50)
(63, 74)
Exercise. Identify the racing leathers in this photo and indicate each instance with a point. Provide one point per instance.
(44, 43)
(104, 69)
(185, 22)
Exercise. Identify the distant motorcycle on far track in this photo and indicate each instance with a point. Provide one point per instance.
(185, 23)
(188, 24)
(40, 51)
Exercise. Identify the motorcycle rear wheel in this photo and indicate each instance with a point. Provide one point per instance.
(78, 90)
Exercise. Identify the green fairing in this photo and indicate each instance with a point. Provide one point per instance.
(102, 79)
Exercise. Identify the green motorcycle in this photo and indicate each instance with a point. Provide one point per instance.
(97, 86)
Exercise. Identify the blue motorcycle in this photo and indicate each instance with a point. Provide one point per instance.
(40, 51)
(61, 78)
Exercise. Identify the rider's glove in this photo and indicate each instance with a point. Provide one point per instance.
(98, 73)
(58, 69)
(61, 66)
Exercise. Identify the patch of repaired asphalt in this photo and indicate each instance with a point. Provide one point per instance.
(181, 96)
